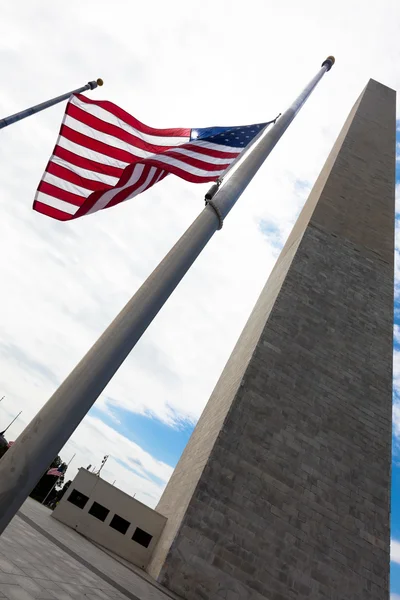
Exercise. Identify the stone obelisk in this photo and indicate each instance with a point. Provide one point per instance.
(283, 490)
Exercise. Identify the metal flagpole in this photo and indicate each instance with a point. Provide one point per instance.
(91, 85)
(22, 466)
(13, 421)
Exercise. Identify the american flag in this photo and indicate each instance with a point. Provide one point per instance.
(56, 471)
(104, 156)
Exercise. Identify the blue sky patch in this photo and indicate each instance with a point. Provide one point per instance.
(162, 441)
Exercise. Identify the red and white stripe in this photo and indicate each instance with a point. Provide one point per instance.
(104, 156)
(54, 472)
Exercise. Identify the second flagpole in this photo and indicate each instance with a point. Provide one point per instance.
(22, 466)
(91, 85)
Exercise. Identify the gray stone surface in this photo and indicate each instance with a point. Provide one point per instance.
(43, 559)
(283, 490)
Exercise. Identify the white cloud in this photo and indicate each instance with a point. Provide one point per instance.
(396, 387)
(394, 596)
(396, 420)
(396, 366)
(134, 470)
(395, 551)
(184, 65)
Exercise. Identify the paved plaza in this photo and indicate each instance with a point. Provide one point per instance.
(42, 559)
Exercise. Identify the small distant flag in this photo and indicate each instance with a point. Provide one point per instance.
(57, 472)
(104, 156)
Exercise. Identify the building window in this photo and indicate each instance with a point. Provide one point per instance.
(142, 537)
(99, 511)
(119, 524)
(78, 499)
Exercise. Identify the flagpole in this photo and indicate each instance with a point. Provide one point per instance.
(91, 85)
(22, 466)
(13, 421)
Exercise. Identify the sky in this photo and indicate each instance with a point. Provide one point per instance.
(170, 64)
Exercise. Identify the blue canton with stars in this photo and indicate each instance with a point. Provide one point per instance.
(238, 137)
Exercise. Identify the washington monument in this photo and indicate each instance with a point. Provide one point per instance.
(283, 490)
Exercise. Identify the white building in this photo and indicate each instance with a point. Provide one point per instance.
(110, 517)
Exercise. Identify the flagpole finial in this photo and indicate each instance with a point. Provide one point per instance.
(93, 84)
(328, 63)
